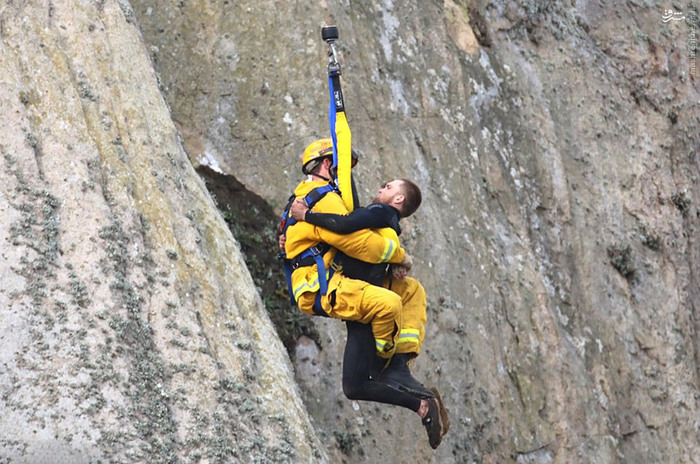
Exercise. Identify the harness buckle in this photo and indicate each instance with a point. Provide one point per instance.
(336, 266)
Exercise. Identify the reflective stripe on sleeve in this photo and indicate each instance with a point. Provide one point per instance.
(389, 250)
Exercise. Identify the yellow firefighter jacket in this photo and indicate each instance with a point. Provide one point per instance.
(371, 246)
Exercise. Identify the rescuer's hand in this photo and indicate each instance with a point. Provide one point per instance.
(399, 271)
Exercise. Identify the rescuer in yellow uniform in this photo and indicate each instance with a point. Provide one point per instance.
(356, 300)
(397, 199)
(346, 298)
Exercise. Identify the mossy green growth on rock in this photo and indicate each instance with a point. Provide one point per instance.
(621, 259)
(255, 225)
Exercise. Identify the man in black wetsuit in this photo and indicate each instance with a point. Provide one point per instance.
(363, 375)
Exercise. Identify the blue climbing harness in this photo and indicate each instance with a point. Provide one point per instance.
(310, 256)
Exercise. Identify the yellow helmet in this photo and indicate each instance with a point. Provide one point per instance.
(319, 149)
(314, 154)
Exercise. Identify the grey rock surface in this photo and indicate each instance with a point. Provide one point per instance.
(555, 143)
(130, 328)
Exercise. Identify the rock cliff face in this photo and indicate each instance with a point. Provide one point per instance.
(130, 327)
(556, 144)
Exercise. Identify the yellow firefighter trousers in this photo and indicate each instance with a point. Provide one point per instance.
(413, 313)
(398, 316)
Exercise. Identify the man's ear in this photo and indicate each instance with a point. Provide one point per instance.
(399, 199)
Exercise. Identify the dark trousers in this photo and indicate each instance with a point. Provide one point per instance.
(361, 365)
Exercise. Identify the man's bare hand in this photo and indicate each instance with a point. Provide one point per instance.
(399, 271)
(281, 240)
(298, 210)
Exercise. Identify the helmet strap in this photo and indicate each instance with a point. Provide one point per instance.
(314, 172)
(315, 169)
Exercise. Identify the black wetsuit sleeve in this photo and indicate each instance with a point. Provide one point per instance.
(362, 218)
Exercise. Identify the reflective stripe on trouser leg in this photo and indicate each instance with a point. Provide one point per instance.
(413, 314)
(383, 346)
(411, 336)
(356, 300)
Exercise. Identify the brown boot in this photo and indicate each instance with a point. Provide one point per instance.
(444, 416)
(432, 424)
